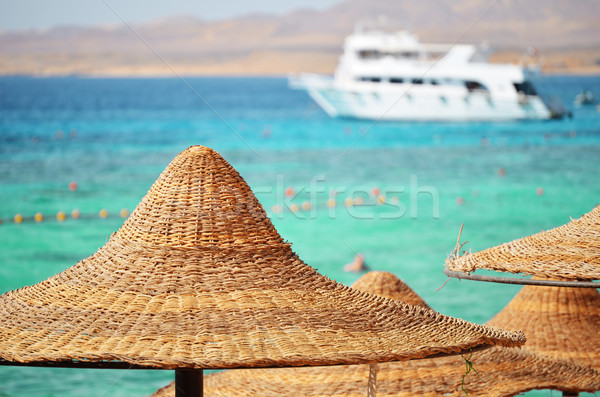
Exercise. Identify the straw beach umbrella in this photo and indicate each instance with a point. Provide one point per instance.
(559, 322)
(198, 278)
(500, 371)
(390, 286)
(570, 252)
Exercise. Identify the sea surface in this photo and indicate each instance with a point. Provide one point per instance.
(99, 144)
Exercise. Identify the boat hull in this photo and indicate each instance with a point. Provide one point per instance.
(417, 103)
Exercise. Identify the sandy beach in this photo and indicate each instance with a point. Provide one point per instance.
(256, 63)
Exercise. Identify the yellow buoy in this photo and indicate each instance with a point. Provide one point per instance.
(381, 199)
(294, 207)
(124, 212)
(61, 216)
(18, 218)
(276, 209)
(306, 205)
(38, 217)
(103, 213)
(331, 203)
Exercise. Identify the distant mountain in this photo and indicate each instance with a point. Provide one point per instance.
(305, 38)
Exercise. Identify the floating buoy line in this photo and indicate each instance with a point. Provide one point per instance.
(62, 216)
(303, 206)
(375, 198)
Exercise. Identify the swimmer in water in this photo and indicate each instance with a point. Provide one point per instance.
(357, 265)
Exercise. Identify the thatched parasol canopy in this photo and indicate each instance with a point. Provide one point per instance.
(570, 252)
(558, 321)
(390, 286)
(501, 371)
(198, 278)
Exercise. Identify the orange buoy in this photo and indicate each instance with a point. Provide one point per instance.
(103, 213)
(375, 191)
(540, 191)
(294, 207)
(276, 209)
(460, 200)
(289, 191)
(75, 213)
(61, 216)
(306, 205)
(501, 172)
(73, 186)
(38, 217)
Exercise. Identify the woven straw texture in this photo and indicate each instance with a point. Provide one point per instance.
(501, 371)
(571, 251)
(558, 321)
(389, 286)
(198, 277)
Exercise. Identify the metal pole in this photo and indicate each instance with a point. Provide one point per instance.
(188, 383)
(522, 281)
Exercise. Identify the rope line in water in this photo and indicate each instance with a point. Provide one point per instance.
(304, 206)
(62, 216)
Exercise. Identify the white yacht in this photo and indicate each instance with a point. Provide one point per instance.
(392, 76)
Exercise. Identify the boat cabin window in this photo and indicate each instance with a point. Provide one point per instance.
(396, 80)
(525, 88)
(417, 81)
(407, 55)
(369, 54)
(370, 79)
(376, 54)
(475, 86)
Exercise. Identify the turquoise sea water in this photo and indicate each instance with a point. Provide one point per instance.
(113, 137)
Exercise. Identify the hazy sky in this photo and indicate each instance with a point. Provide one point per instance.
(33, 14)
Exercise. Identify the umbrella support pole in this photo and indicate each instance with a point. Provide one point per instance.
(372, 384)
(189, 383)
(569, 394)
(522, 281)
